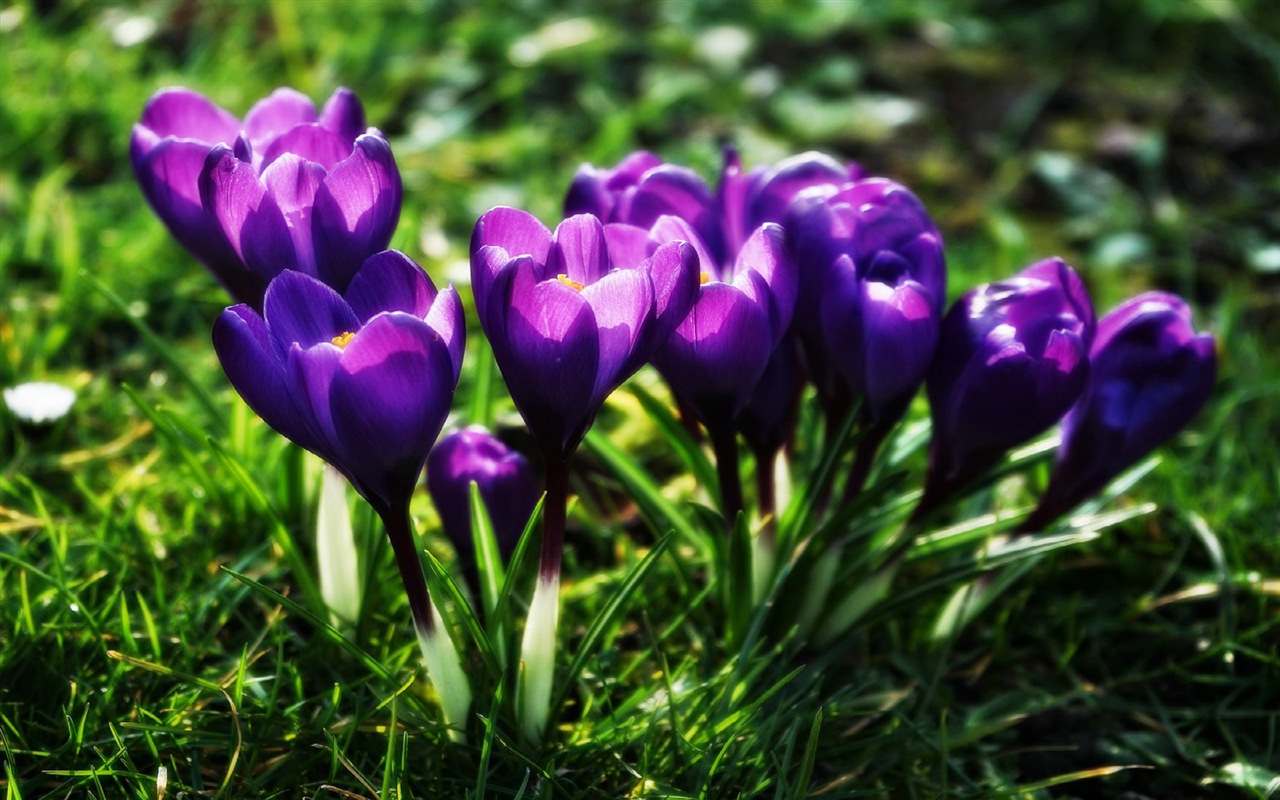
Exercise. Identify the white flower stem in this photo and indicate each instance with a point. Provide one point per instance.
(336, 549)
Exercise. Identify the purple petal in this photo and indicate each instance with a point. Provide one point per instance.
(578, 250)
(546, 342)
(249, 218)
(356, 210)
(765, 253)
(674, 229)
(273, 115)
(254, 367)
(508, 233)
(185, 114)
(389, 400)
(628, 244)
(310, 141)
(841, 321)
(680, 192)
(301, 310)
(673, 268)
(292, 183)
(169, 175)
(900, 337)
(390, 281)
(773, 194)
(622, 303)
(717, 355)
(309, 377)
(344, 115)
(446, 318)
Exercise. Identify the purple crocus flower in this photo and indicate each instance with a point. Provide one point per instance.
(872, 288)
(503, 476)
(1150, 373)
(289, 188)
(1012, 359)
(364, 380)
(567, 328)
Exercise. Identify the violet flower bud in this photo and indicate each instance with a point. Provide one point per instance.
(1150, 374)
(289, 188)
(567, 327)
(1012, 358)
(363, 380)
(503, 476)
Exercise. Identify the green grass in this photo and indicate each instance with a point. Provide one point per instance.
(158, 615)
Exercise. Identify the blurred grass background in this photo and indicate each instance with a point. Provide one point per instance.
(1139, 140)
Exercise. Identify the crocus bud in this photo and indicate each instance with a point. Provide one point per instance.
(1150, 373)
(607, 193)
(1012, 358)
(287, 188)
(503, 476)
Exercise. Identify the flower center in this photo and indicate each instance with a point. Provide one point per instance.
(570, 282)
(343, 339)
(704, 278)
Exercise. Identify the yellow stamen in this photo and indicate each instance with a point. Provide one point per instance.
(343, 339)
(570, 282)
(704, 278)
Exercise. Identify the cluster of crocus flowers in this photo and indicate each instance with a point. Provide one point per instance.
(805, 270)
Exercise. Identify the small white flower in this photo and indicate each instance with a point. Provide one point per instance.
(39, 403)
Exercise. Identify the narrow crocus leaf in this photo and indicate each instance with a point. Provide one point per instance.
(336, 557)
(537, 659)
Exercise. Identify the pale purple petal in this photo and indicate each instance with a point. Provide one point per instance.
(278, 112)
(249, 218)
(310, 141)
(292, 183)
(390, 281)
(344, 115)
(578, 250)
(185, 114)
(356, 210)
(622, 303)
(502, 234)
(446, 318)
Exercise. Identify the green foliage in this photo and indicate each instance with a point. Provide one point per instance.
(160, 631)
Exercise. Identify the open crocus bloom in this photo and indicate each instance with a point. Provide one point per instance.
(565, 325)
(1012, 358)
(1150, 373)
(363, 380)
(289, 188)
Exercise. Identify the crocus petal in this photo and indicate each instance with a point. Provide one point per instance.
(254, 367)
(292, 183)
(310, 141)
(772, 195)
(678, 191)
(446, 318)
(765, 253)
(628, 244)
(675, 229)
(500, 235)
(841, 322)
(578, 250)
(673, 269)
(390, 281)
(275, 114)
(622, 303)
(169, 175)
(309, 376)
(185, 114)
(546, 342)
(900, 336)
(389, 399)
(249, 218)
(302, 310)
(717, 355)
(344, 115)
(356, 210)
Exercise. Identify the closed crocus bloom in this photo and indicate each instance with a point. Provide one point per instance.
(363, 380)
(607, 193)
(1012, 359)
(503, 476)
(1150, 374)
(567, 328)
